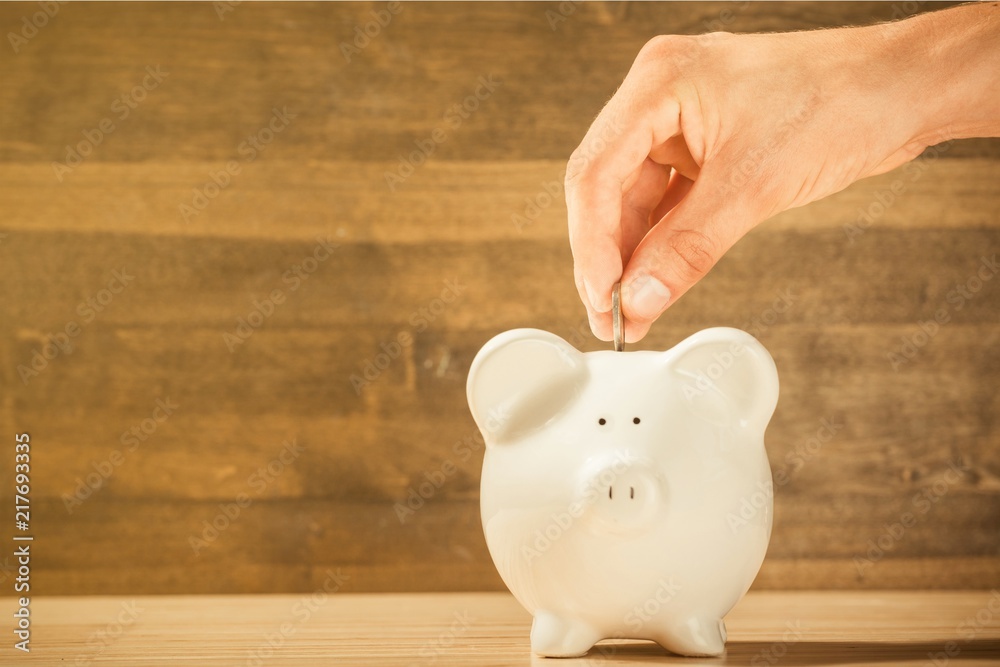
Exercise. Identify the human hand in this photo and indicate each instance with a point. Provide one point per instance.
(710, 135)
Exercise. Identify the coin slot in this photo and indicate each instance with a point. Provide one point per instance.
(631, 492)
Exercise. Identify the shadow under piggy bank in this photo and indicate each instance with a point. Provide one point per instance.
(798, 654)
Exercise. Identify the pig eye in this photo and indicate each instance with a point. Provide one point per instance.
(602, 421)
(635, 421)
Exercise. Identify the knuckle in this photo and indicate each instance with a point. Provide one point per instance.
(695, 252)
(675, 57)
(576, 167)
(662, 46)
(582, 170)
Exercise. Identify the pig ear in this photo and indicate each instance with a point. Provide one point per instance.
(521, 380)
(727, 375)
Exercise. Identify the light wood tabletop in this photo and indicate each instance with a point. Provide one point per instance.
(766, 628)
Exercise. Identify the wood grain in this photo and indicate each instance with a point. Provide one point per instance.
(850, 293)
(765, 628)
(278, 200)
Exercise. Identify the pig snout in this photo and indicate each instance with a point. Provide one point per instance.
(623, 496)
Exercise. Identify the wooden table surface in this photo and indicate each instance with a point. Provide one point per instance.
(766, 628)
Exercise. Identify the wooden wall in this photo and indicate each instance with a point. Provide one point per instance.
(173, 334)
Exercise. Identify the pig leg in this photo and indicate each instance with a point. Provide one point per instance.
(555, 636)
(694, 636)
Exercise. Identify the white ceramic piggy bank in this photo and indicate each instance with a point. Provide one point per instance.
(625, 494)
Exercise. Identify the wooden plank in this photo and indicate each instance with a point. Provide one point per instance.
(445, 201)
(427, 59)
(890, 429)
(893, 572)
(440, 546)
(213, 282)
(240, 578)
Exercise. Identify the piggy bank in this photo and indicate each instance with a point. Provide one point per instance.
(625, 494)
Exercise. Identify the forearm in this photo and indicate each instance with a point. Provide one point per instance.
(951, 62)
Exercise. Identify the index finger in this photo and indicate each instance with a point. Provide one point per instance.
(601, 170)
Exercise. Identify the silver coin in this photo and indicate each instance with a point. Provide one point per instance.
(617, 319)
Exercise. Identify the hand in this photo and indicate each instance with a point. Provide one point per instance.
(710, 135)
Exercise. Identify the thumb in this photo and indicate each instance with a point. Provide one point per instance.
(680, 250)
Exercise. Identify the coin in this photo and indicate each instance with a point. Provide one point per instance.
(617, 319)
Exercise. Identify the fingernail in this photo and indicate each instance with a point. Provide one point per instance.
(645, 297)
(590, 295)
